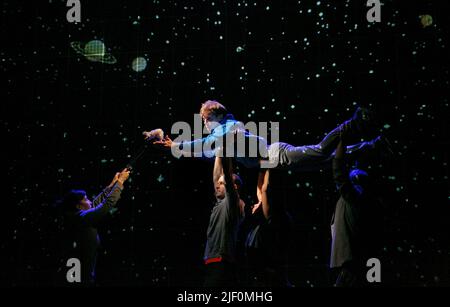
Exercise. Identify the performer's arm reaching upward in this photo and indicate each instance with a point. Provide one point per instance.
(227, 167)
(264, 193)
(94, 215)
(262, 190)
(101, 197)
(340, 173)
(218, 170)
(339, 167)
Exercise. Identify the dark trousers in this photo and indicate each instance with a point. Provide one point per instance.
(266, 268)
(220, 274)
(350, 275)
(312, 157)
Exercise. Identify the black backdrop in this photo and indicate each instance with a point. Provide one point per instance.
(68, 122)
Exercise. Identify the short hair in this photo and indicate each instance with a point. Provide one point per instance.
(71, 199)
(212, 107)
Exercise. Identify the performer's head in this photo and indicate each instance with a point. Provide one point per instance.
(212, 113)
(360, 180)
(76, 200)
(220, 186)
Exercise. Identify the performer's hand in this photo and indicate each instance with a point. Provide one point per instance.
(255, 207)
(258, 193)
(116, 177)
(123, 176)
(166, 142)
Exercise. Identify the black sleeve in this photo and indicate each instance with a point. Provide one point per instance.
(101, 197)
(95, 215)
(342, 180)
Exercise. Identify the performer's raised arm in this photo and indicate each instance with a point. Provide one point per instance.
(106, 202)
(262, 190)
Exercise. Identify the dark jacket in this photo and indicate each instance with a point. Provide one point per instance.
(81, 238)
